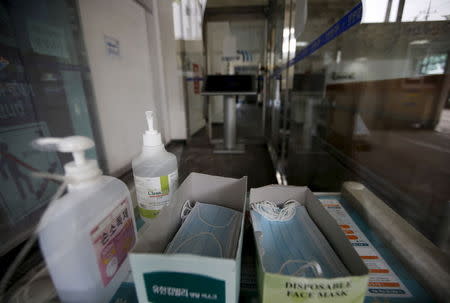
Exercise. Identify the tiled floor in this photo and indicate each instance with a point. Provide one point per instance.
(255, 164)
(197, 154)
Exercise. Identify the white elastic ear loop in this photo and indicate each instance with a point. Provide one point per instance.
(29, 244)
(198, 235)
(272, 212)
(189, 205)
(267, 209)
(315, 266)
(187, 208)
(292, 202)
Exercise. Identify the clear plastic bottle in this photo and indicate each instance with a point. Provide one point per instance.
(85, 235)
(155, 173)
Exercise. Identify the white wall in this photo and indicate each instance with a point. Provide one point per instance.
(155, 53)
(172, 71)
(122, 85)
(144, 76)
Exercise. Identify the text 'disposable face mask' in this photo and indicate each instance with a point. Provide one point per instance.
(207, 230)
(291, 242)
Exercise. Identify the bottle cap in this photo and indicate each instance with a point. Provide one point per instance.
(151, 137)
(81, 168)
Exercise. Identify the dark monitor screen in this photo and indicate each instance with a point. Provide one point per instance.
(230, 83)
(309, 83)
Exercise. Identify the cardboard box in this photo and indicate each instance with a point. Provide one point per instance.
(169, 278)
(282, 288)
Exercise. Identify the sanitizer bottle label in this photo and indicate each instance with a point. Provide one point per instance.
(154, 193)
(112, 238)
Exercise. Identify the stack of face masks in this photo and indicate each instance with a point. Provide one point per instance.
(291, 242)
(207, 230)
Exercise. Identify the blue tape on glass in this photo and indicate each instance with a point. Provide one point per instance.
(351, 19)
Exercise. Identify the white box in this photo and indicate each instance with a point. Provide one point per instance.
(160, 277)
(283, 288)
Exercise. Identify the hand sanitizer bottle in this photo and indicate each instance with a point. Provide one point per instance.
(86, 234)
(155, 173)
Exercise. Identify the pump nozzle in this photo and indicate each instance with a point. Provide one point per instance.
(150, 121)
(75, 145)
(81, 168)
(151, 136)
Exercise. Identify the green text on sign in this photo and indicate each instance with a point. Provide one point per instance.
(175, 287)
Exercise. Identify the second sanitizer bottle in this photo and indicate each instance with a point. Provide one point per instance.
(155, 173)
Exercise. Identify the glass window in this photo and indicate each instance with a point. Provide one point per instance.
(426, 10)
(373, 105)
(44, 91)
(375, 11)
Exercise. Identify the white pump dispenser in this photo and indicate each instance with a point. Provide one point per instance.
(151, 137)
(86, 234)
(155, 173)
(80, 169)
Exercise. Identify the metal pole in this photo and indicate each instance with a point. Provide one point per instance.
(388, 11)
(229, 131)
(401, 6)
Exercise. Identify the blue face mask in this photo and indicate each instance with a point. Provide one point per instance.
(291, 242)
(207, 230)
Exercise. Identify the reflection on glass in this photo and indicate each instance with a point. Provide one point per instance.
(432, 64)
(373, 105)
(375, 11)
(412, 10)
(426, 10)
(188, 19)
(393, 10)
(44, 91)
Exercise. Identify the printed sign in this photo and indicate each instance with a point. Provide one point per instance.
(383, 282)
(112, 238)
(246, 55)
(280, 288)
(153, 193)
(16, 106)
(230, 58)
(112, 46)
(47, 40)
(196, 70)
(175, 287)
